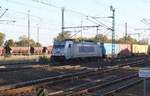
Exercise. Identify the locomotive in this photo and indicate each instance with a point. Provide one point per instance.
(69, 49)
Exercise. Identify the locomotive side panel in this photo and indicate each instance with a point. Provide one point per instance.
(86, 50)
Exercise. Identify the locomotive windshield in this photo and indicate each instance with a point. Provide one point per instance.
(59, 44)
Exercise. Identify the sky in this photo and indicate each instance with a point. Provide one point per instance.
(47, 15)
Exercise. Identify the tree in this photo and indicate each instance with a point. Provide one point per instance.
(11, 43)
(34, 44)
(37, 44)
(128, 39)
(79, 39)
(23, 41)
(2, 37)
(101, 38)
(97, 38)
(63, 36)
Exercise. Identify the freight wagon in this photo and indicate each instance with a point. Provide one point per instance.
(139, 49)
(69, 49)
(121, 50)
(1, 51)
(124, 50)
(24, 50)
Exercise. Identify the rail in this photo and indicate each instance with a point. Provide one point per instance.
(66, 77)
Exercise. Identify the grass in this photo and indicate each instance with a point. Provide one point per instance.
(20, 59)
(44, 59)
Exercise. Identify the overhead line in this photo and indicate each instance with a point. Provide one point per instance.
(93, 21)
(23, 4)
(48, 4)
(3, 13)
(24, 13)
(34, 27)
(145, 22)
(83, 26)
(101, 23)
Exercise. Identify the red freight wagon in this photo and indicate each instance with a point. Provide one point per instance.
(125, 50)
(1, 51)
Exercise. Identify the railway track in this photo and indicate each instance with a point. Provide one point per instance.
(71, 76)
(107, 61)
(86, 85)
(105, 88)
(18, 67)
(23, 66)
(116, 87)
(64, 78)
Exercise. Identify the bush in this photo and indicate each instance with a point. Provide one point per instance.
(44, 59)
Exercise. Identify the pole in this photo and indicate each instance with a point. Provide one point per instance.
(138, 36)
(126, 32)
(97, 34)
(28, 32)
(113, 30)
(81, 31)
(144, 87)
(62, 23)
(97, 40)
(38, 37)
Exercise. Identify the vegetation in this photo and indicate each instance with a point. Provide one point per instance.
(11, 42)
(44, 59)
(130, 40)
(65, 35)
(2, 37)
(23, 42)
(101, 38)
(127, 39)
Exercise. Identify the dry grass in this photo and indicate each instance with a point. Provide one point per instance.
(18, 91)
(66, 68)
(18, 59)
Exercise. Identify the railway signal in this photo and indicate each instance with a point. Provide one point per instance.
(144, 73)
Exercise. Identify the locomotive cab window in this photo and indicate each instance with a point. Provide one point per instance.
(69, 46)
(59, 46)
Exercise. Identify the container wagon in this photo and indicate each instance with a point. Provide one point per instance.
(139, 49)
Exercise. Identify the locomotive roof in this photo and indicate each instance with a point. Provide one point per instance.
(79, 41)
(73, 40)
